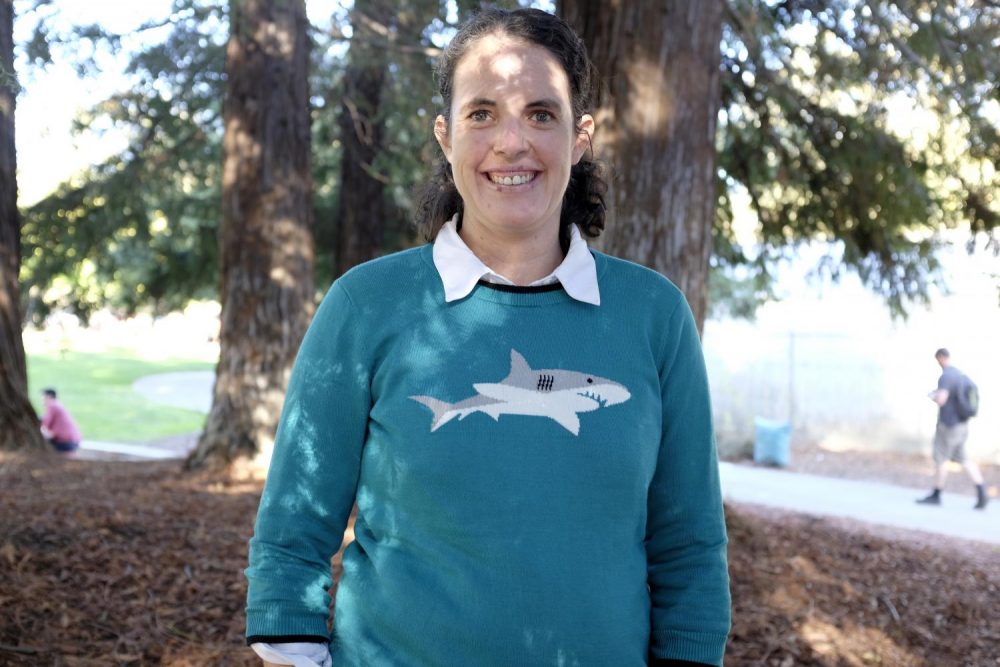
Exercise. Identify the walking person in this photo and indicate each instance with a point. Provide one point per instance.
(951, 433)
(57, 426)
(522, 423)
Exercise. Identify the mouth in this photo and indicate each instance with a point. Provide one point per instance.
(597, 398)
(511, 178)
(606, 394)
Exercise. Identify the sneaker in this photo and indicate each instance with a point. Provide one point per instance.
(981, 503)
(933, 499)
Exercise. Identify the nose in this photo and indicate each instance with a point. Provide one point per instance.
(510, 139)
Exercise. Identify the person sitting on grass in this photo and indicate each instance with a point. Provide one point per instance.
(58, 426)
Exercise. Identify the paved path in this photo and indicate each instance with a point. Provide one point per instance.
(870, 502)
(191, 390)
(129, 450)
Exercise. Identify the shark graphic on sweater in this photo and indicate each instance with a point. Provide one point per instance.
(557, 394)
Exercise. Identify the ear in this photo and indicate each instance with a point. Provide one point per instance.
(583, 136)
(441, 134)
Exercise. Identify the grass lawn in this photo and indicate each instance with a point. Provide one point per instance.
(97, 391)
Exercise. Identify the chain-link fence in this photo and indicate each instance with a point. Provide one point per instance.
(844, 391)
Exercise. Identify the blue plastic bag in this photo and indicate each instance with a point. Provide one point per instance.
(771, 442)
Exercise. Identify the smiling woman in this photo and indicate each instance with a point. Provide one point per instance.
(522, 423)
(511, 142)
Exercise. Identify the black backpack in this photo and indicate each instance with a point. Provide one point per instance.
(967, 399)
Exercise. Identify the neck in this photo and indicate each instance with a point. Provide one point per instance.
(521, 258)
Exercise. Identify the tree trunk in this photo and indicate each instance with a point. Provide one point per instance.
(265, 239)
(361, 208)
(18, 421)
(656, 119)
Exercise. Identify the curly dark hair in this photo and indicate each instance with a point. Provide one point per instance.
(583, 203)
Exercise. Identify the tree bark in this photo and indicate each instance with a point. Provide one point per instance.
(265, 239)
(18, 421)
(361, 207)
(656, 120)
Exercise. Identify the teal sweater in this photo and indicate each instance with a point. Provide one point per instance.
(535, 477)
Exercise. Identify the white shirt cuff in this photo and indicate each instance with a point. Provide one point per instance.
(297, 654)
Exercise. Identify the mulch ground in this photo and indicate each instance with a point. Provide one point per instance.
(115, 563)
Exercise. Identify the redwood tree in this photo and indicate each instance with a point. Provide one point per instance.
(361, 207)
(656, 119)
(18, 422)
(265, 238)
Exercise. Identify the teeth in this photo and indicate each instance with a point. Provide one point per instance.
(517, 179)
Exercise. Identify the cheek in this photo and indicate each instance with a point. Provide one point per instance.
(561, 147)
(471, 152)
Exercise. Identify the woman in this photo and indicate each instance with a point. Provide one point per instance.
(523, 424)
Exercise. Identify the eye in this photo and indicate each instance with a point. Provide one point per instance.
(590, 380)
(480, 116)
(542, 117)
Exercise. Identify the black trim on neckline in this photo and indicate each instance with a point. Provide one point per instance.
(521, 289)
(280, 639)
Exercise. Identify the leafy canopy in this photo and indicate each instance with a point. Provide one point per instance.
(867, 124)
(870, 125)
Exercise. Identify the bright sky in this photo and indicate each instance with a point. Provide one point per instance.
(47, 151)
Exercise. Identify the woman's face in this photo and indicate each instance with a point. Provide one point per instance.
(512, 137)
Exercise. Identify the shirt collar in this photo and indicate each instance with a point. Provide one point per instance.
(460, 269)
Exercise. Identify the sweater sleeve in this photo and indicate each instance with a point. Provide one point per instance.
(686, 532)
(313, 477)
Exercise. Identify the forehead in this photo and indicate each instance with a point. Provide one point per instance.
(498, 66)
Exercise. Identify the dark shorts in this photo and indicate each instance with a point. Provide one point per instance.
(64, 447)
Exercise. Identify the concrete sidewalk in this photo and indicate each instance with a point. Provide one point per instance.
(129, 450)
(871, 502)
(191, 390)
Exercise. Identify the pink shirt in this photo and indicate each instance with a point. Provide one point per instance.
(62, 426)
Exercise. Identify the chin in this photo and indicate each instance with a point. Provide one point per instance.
(525, 223)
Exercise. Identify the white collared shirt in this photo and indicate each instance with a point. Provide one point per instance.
(460, 269)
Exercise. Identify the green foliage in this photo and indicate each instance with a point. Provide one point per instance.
(737, 294)
(806, 135)
(806, 90)
(97, 390)
(140, 228)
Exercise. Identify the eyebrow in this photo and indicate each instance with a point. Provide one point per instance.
(479, 102)
(544, 103)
